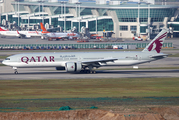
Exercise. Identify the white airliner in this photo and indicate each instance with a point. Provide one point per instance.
(21, 34)
(86, 61)
(57, 35)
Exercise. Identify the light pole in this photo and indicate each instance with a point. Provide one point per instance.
(65, 16)
(139, 18)
(148, 21)
(96, 25)
(78, 3)
(76, 10)
(42, 12)
(18, 12)
(62, 3)
(39, 7)
(0, 13)
(15, 7)
(41, 1)
(28, 22)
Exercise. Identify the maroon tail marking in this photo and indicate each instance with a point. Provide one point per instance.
(158, 43)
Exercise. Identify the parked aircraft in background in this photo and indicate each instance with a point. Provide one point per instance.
(57, 35)
(86, 61)
(21, 34)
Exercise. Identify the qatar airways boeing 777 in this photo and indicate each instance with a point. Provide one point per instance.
(86, 61)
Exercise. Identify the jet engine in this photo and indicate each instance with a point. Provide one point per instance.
(73, 66)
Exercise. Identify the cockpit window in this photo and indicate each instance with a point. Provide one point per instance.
(7, 59)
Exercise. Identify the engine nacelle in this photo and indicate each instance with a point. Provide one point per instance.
(73, 66)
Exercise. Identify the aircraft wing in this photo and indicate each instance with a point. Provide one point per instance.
(21, 35)
(98, 62)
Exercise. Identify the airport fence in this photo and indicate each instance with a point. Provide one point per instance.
(76, 46)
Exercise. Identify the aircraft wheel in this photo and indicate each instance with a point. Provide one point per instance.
(15, 72)
(82, 71)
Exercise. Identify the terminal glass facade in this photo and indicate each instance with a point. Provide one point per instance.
(123, 28)
(35, 21)
(174, 26)
(54, 22)
(176, 20)
(46, 21)
(92, 25)
(61, 23)
(24, 21)
(105, 24)
(76, 24)
(143, 29)
(10, 18)
(133, 28)
(127, 15)
(16, 20)
(156, 15)
(3, 17)
(58, 10)
(86, 11)
(68, 25)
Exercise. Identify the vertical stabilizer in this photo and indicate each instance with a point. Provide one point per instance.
(43, 28)
(157, 42)
(3, 29)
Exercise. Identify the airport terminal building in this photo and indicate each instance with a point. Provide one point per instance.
(124, 18)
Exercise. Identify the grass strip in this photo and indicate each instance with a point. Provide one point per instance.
(3, 57)
(89, 88)
(174, 55)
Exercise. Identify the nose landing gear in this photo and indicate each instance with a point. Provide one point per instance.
(15, 70)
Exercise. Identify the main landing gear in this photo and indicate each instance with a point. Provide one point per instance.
(89, 70)
(15, 70)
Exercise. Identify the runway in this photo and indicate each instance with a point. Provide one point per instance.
(6, 73)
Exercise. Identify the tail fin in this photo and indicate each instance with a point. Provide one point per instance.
(43, 28)
(18, 32)
(157, 42)
(3, 29)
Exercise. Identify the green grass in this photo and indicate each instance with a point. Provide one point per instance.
(2, 65)
(3, 57)
(89, 88)
(174, 55)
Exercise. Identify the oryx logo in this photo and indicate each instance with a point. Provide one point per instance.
(157, 44)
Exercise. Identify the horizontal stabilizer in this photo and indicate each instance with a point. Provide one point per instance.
(159, 56)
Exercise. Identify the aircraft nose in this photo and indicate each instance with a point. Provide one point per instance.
(2, 62)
